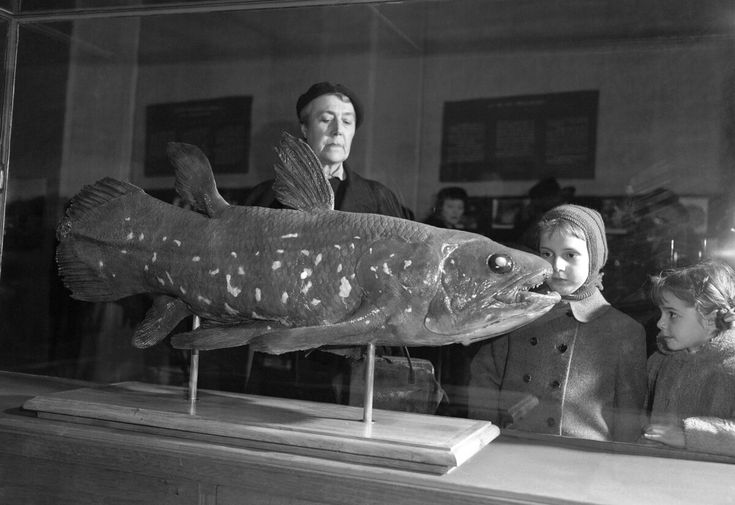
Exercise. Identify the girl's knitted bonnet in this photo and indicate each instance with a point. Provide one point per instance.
(591, 223)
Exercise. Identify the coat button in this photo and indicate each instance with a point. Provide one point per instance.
(562, 348)
(551, 422)
(534, 341)
(555, 384)
(527, 378)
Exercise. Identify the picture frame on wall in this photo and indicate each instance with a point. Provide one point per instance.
(220, 127)
(521, 137)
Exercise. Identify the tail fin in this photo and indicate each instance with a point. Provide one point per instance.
(73, 256)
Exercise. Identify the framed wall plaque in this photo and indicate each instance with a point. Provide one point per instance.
(520, 137)
(219, 126)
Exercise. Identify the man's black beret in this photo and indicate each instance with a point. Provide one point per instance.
(328, 88)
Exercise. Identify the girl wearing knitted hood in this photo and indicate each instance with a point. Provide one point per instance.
(691, 378)
(579, 370)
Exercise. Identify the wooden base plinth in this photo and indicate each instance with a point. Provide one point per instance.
(416, 442)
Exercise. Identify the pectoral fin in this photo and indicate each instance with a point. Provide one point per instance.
(354, 331)
(159, 321)
(222, 337)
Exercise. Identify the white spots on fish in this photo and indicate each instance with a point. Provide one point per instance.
(127, 218)
(306, 287)
(339, 268)
(370, 250)
(124, 251)
(240, 270)
(290, 235)
(451, 261)
(130, 236)
(257, 253)
(161, 281)
(101, 264)
(202, 299)
(407, 264)
(233, 290)
(306, 273)
(356, 237)
(284, 298)
(177, 242)
(164, 239)
(182, 289)
(214, 272)
(276, 265)
(141, 237)
(269, 327)
(233, 254)
(230, 310)
(373, 268)
(315, 302)
(155, 256)
(338, 247)
(386, 269)
(391, 255)
(114, 275)
(279, 251)
(258, 295)
(345, 288)
(170, 280)
(196, 259)
(305, 252)
(145, 268)
(318, 259)
(408, 310)
(352, 246)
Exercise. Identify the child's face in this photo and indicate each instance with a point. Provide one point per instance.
(452, 211)
(681, 325)
(569, 258)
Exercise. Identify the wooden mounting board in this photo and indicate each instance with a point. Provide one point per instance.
(416, 442)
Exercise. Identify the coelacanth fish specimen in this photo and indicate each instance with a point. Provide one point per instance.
(285, 280)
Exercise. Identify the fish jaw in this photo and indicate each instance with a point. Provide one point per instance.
(476, 302)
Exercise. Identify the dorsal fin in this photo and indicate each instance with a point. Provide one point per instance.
(195, 180)
(300, 182)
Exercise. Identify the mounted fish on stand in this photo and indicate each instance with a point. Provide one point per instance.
(282, 280)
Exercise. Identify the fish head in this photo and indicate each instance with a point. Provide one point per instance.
(485, 290)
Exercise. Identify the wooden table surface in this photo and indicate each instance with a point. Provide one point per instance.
(52, 461)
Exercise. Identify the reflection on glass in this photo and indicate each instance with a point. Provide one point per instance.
(85, 90)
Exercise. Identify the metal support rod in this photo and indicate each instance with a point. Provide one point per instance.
(193, 371)
(369, 380)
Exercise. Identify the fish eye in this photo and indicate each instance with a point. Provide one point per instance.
(500, 263)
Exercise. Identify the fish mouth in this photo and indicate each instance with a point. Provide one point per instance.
(498, 310)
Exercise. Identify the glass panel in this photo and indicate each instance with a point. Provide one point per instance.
(629, 110)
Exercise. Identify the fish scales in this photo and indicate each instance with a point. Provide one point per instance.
(290, 279)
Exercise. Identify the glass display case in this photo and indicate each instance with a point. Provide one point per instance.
(627, 106)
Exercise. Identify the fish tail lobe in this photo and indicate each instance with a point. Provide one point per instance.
(78, 254)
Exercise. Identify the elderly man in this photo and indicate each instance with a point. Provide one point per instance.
(330, 115)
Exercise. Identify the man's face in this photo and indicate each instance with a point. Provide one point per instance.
(329, 127)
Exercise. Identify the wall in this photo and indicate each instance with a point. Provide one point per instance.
(660, 110)
(661, 116)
